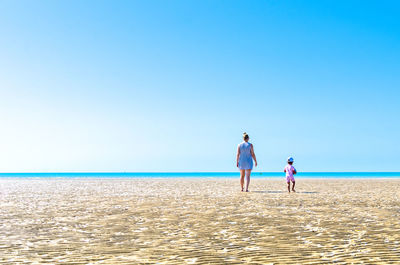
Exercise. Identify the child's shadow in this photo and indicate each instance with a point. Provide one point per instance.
(279, 191)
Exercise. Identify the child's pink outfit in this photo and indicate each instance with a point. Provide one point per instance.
(289, 169)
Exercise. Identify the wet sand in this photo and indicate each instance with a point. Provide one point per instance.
(198, 221)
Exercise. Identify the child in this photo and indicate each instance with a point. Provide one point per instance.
(290, 171)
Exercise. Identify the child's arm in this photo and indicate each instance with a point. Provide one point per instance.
(294, 171)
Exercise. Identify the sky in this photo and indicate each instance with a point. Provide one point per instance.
(172, 85)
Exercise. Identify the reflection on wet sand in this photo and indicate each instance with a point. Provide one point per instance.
(198, 221)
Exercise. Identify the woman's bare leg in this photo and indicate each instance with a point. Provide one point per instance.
(248, 172)
(242, 173)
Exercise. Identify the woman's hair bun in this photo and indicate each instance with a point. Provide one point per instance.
(245, 133)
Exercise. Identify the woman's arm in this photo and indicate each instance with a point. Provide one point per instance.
(253, 154)
(237, 157)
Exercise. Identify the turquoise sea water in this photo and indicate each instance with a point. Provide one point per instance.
(201, 175)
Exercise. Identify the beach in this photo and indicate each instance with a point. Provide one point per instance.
(198, 221)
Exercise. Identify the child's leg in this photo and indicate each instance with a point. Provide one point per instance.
(248, 172)
(294, 183)
(288, 186)
(242, 178)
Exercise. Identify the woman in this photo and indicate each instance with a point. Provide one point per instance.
(244, 160)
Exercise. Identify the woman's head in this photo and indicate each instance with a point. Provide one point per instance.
(246, 136)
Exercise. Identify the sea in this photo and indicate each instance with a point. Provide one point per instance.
(321, 175)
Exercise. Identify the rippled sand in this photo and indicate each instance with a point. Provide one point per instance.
(198, 221)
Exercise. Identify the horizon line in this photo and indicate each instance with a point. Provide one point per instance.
(180, 172)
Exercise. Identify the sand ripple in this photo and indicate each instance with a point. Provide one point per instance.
(198, 221)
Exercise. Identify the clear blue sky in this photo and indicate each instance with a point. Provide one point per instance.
(172, 85)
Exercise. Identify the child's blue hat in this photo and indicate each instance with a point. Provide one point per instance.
(290, 159)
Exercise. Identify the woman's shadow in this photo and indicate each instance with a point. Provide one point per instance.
(279, 191)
